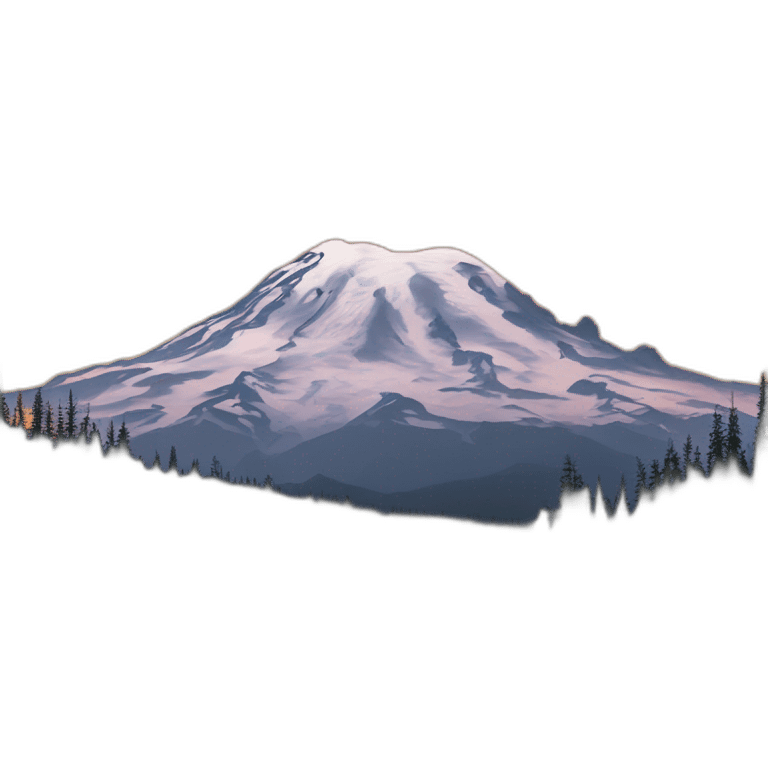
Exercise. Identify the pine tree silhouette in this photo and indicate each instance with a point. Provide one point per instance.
(195, 466)
(111, 442)
(672, 471)
(687, 449)
(697, 460)
(733, 438)
(123, 436)
(173, 464)
(49, 420)
(570, 480)
(760, 445)
(216, 468)
(37, 414)
(641, 483)
(20, 411)
(716, 441)
(85, 425)
(71, 416)
(60, 424)
(5, 411)
(656, 476)
(156, 463)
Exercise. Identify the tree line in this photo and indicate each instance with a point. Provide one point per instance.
(725, 446)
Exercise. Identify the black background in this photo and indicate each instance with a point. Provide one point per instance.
(145, 199)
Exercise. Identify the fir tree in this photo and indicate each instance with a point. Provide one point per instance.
(156, 462)
(71, 416)
(123, 435)
(687, 450)
(743, 463)
(216, 468)
(570, 480)
(60, 423)
(675, 471)
(733, 438)
(697, 460)
(601, 511)
(173, 463)
(268, 481)
(195, 466)
(49, 420)
(5, 415)
(716, 441)
(656, 476)
(666, 473)
(37, 414)
(641, 483)
(20, 412)
(111, 442)
(760, 445)
(85, 424)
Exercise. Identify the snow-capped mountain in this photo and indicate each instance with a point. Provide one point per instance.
(423, 347)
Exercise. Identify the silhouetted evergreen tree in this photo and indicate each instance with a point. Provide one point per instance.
(697, 460)
(570, 480)
(687, 449)
(195, 467)
(641, 483)
(666, 473)
(733, 438)
(216, 468)
(60, 423)
(760, 445)
(656, 476)
(85, 424)
(123, 435)
(621, 512)
(71, 416)
(743, 463)
(5, 411)
(172, 460)
(716, 441)
(672, 470)
(37, 414)
(111, 441)
(156, 463)
(268, 481)
(49, 420)
(227, 477)
(20, 411)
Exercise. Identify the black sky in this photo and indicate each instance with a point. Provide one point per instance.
(135, 215)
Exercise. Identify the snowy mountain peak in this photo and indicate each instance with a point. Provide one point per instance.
(313, 346)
